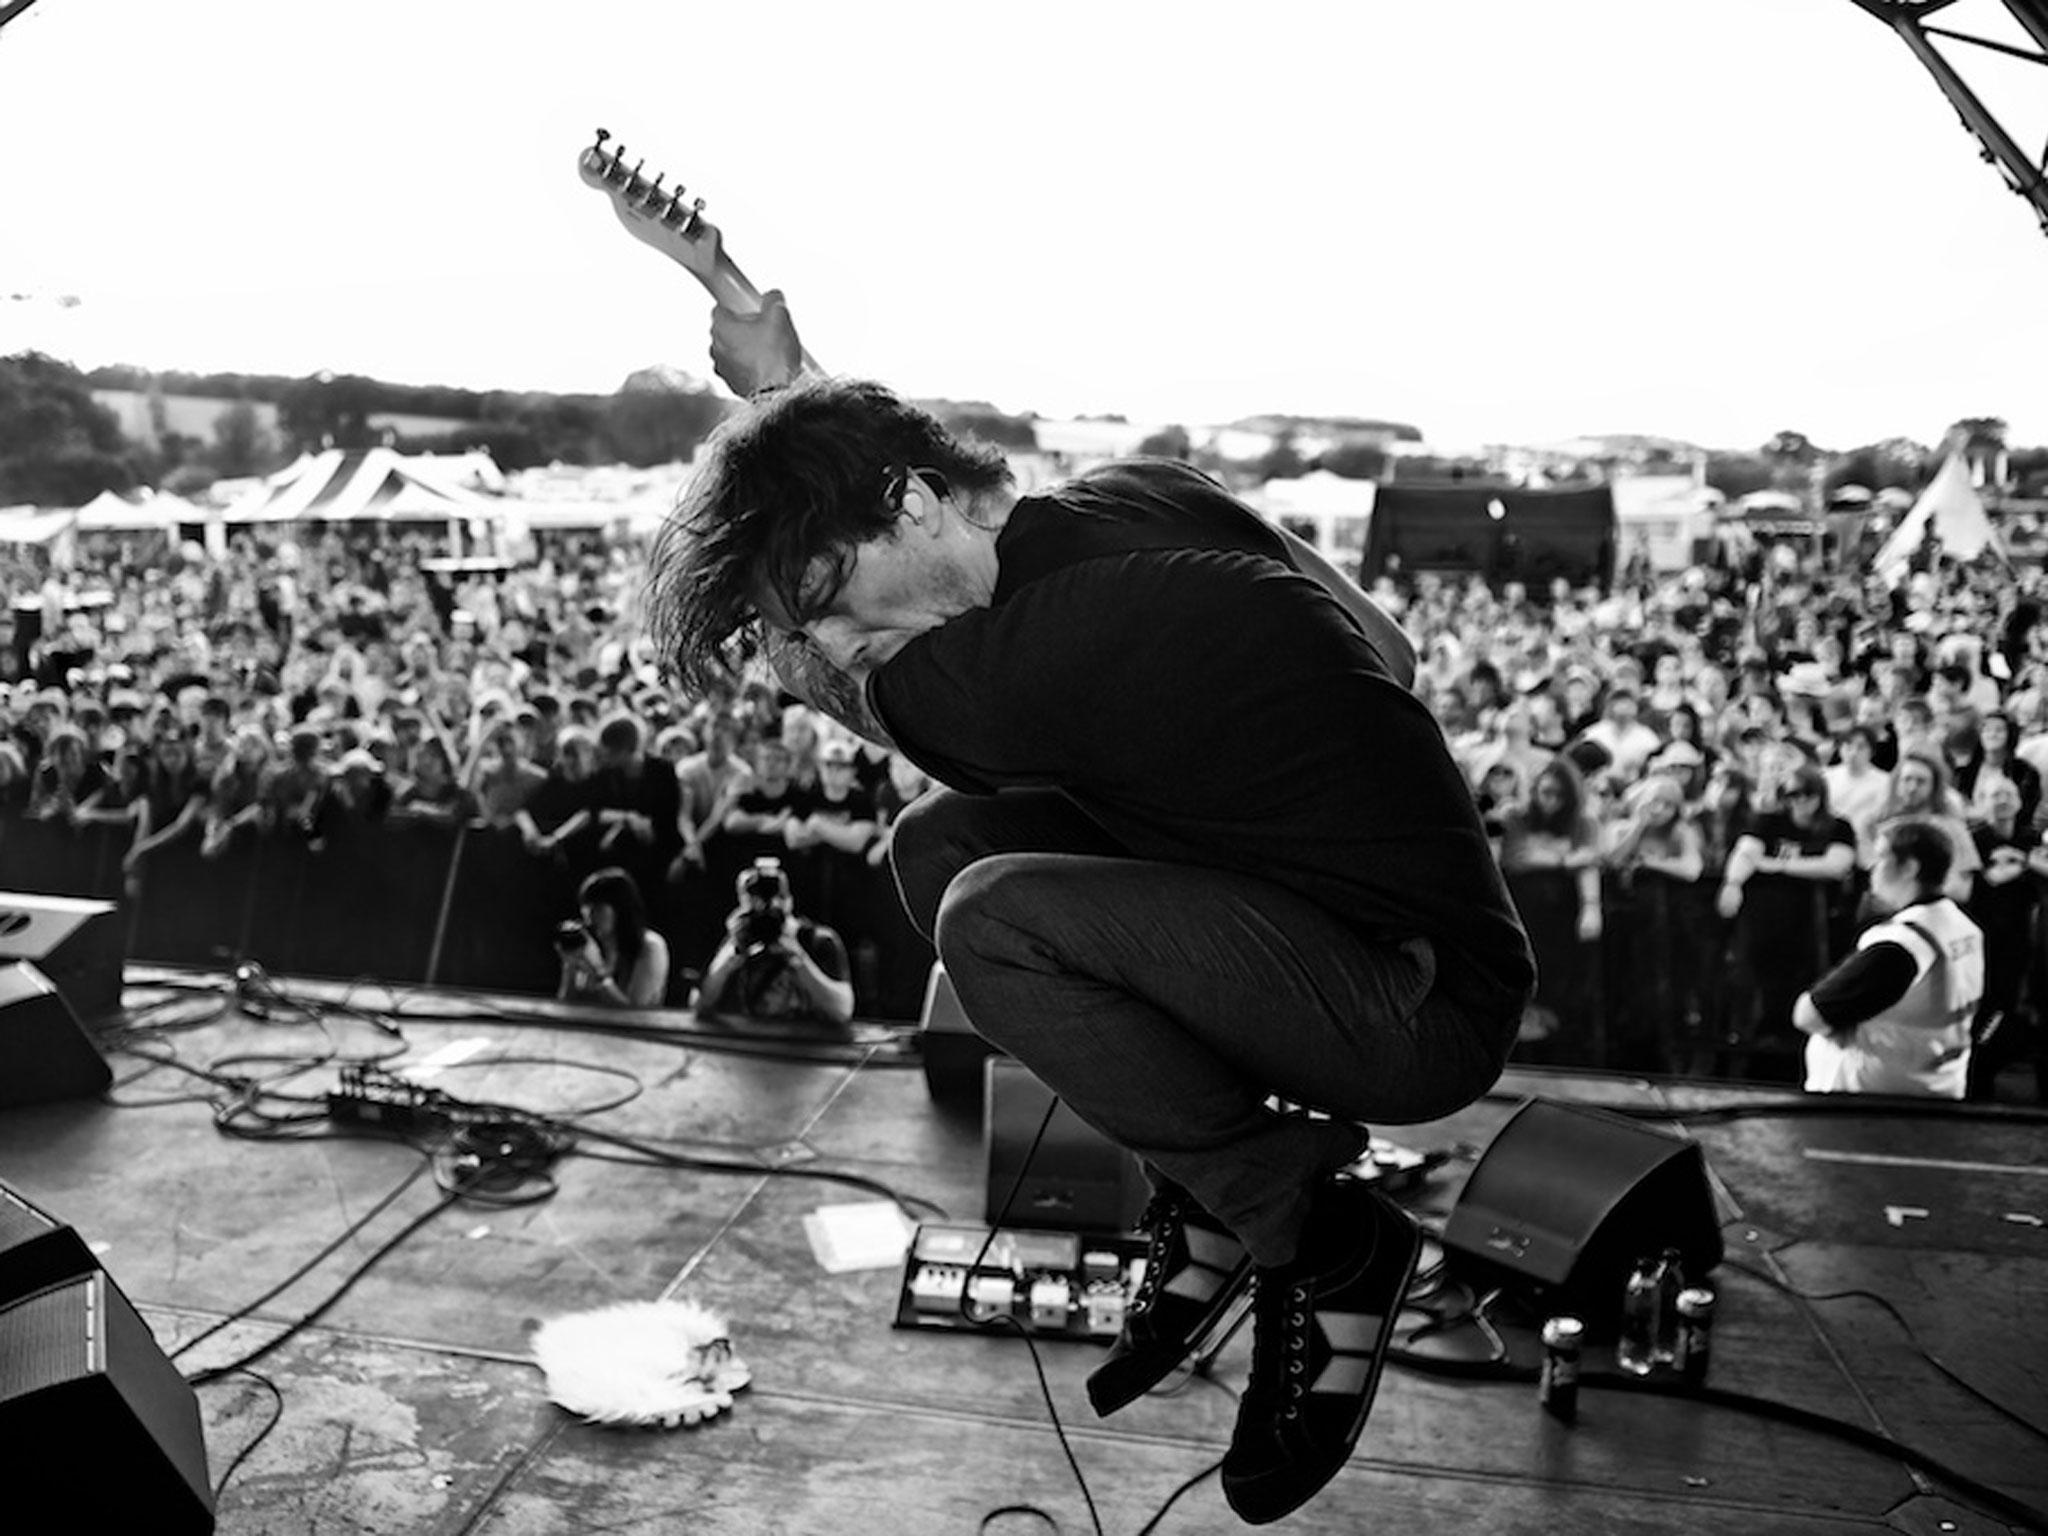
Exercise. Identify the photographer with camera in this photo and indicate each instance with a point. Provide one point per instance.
(610, 955)
(772, 964)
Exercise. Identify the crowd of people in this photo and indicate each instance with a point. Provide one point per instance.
(1686, 776)
(1689, 782)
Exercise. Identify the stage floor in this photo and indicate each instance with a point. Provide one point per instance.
(413, 1405)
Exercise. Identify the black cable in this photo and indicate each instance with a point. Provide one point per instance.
(276, 1417)
(1174, 1497)
(349, 1282)
(1913, 1338)
(899, 1048)
(639, 1087)
(1017, 1509)
(1497, 1372)
(646, 1152)
(306, 1268)
(1037, 1365)
(500, 1162)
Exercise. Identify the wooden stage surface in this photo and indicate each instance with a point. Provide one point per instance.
(413, 1406)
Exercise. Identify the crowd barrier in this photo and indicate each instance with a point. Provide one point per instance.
(409, 902)
(403, 902)
(1664, 988)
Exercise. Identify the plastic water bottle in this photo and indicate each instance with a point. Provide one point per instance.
(1670, 1281)
(1635, 1349)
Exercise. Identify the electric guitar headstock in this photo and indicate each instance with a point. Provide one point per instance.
(660, 216)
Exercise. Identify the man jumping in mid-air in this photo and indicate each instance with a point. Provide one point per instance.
(1202, 861)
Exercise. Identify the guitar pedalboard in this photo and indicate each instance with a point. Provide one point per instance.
(1070, 1285)
(1063, 1285)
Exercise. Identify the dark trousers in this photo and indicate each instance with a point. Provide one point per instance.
(1167, 1004)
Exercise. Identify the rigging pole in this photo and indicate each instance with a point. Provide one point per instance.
(2025, 175)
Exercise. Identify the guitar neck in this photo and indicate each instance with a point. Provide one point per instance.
(730, 289)
(676, 229)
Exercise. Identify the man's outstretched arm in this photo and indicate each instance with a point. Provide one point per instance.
(756, 352)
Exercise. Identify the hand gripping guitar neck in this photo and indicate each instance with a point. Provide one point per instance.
(679, 230)
(660, 217)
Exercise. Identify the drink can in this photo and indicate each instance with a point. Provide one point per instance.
(1558, 1382)
(1695, 1333)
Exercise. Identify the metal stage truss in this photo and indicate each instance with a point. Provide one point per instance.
(2024, 174)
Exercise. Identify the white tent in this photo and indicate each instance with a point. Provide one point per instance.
(27, 525)
(1327, 510)
(108, 513)
(359, 485)
(1952, 509)
(1666, 517)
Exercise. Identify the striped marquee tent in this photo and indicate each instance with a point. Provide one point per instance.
(356, 485)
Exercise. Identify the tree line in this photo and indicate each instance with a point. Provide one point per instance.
(58, 447)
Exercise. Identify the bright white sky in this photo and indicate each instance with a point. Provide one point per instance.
(1501, 220)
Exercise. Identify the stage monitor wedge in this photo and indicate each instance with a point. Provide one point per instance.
(100, 1430)
(79, 944)
(1075, 1179)
(44, 1054)
(1567, 1197)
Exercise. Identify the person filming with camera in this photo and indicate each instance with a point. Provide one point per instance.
(610, 954)
(773, 965)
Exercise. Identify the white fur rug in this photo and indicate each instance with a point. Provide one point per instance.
(641, 1362)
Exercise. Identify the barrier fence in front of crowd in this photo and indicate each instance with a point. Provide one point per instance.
(1663, 989)
(403, 902)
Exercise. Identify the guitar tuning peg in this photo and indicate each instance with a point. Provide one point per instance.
(602, 135)
(652, 197)
(696, 213)
(612, 170)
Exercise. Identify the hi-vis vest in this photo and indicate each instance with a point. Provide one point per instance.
(1921, 1044)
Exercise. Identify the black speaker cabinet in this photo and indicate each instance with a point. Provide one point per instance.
(80, 945)
(100, 1429)
(1076, 1181)
(44, 1054)
(953, 1053)
(36, 1249)
(1567, 1198)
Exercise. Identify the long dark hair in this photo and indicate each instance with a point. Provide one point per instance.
(801, 476)
(614, 888)
(1563, 772)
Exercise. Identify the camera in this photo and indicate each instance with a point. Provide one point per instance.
(571, 937)
(764, 905)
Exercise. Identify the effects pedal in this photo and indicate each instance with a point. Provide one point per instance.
(369, 1095)
(1059, 1285)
